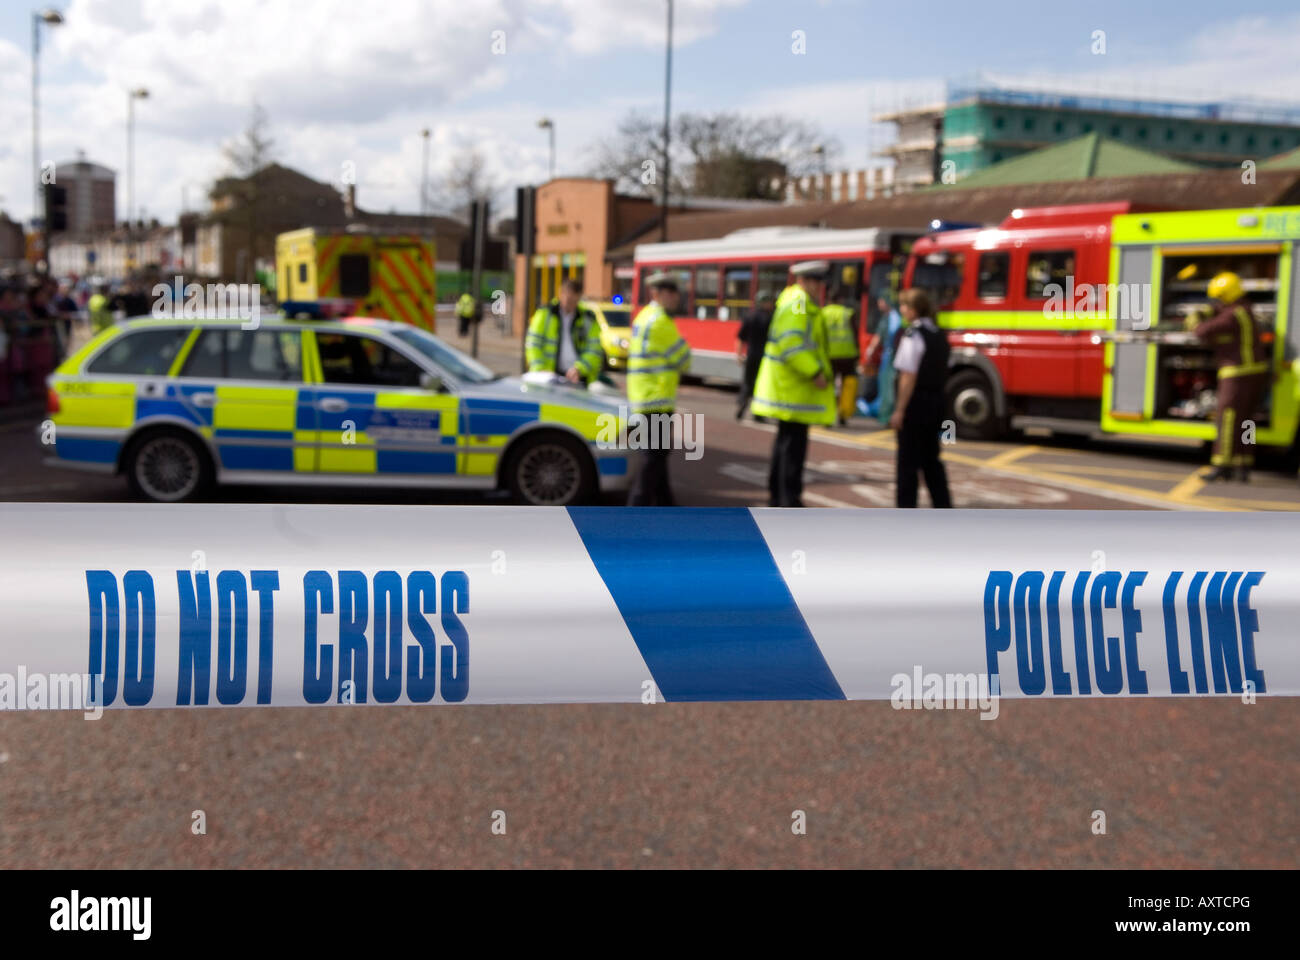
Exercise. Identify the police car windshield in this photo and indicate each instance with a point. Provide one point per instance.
(618, 318)
(463, 368)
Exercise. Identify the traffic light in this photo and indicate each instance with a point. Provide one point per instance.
(56, 207)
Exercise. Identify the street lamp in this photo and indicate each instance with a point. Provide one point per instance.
(139, 93)
(52, 18)
(547, 124)
(424, 175)
(668, 92)
(820, 152)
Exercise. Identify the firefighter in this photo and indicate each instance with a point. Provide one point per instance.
(564, 338)
(794, 385)
(921, 362)
(466, 312)
(657, 356)
(842, 348)
(1243, 370)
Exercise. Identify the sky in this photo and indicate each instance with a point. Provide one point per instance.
(348, 85)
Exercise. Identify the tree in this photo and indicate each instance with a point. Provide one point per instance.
(714, 155)
(248, 155)
(468, 180)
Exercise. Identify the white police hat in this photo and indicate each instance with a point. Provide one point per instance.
(662, 278)
(811, 268)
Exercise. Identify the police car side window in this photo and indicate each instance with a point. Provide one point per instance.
(262, 355)
(346, 358)
(206, 356)
(141, 352)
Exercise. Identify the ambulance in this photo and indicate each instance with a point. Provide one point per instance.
(323, 273)
(1158, 379)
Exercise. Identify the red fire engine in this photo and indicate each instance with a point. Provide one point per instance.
(1023, 304)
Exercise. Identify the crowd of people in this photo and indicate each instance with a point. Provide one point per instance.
(799, 351)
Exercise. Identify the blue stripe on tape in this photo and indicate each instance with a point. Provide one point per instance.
(702, 596)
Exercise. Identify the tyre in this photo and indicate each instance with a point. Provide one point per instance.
(969, 402)
(167, 466)
(550, 470)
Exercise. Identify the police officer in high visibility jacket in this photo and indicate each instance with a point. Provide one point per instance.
(466, 312)
(563, 337)
(1244, 373)
(657, 356)
(794, 385)
(842, 348)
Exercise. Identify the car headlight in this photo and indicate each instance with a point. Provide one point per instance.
(623, 343)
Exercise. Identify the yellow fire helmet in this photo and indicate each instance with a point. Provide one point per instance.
(1226, 288)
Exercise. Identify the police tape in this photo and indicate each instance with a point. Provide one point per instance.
(293, 605)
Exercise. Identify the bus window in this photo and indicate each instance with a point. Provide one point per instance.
(737, 291)
(643, 288)
(773, 278)
(706, 293)
(847, 276)
(940, 275)
(995, 271)
(1045, 268)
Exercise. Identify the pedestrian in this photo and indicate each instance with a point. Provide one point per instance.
(794, 385)
(100, 309)
(751, 340)
(466, 312)
(657, 356)
(1243, 369)
(921, 363)
(841, 315)
(564, 338)
(889, 329)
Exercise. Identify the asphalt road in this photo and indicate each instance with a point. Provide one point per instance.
(1189, 783)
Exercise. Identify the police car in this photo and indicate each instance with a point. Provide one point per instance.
(177, 405)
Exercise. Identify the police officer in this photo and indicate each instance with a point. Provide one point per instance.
(1243, 368)
(794, 380)
(921, 363)
(842, 348)
(466, 312)
(101, 316)
(751, 340)
(657, 356)
(564, 338)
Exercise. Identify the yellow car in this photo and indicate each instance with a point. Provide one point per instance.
(615, 319)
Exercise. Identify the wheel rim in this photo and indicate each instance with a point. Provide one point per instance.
(167, 468)
(549, 474)
(971, 406)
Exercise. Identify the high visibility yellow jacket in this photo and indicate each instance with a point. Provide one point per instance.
(101, 318)
(465, 306)
(542, 343)
(841, 332)
(657, 356)
(795, 354)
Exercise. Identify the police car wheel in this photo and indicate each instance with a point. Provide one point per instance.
(167, 466)
(550, 471)
(970, 406)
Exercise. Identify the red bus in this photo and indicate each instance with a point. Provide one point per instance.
(719, 279)
(1019, 302)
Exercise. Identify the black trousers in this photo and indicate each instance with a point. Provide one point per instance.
(785, 478)
(918, 452)
(651, 487)
(752, 361)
